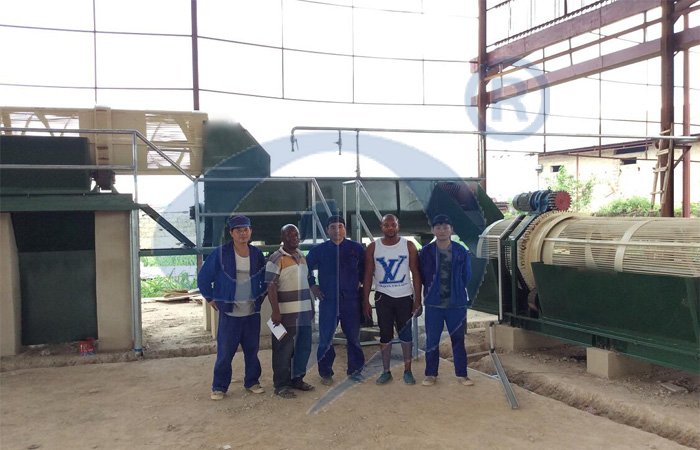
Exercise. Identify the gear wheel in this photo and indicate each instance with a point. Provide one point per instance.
(530, 243)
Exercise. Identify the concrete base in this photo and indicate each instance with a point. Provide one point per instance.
(516, 339)
(113, 282)
(608, 364)
(211, 318)
(10, 296)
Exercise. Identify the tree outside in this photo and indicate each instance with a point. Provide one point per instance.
(581, 191)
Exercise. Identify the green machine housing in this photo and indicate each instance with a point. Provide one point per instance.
(629, 284)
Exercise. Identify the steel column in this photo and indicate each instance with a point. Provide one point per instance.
(666, 160)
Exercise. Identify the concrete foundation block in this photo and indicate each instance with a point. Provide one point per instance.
(609, 364)
(10, 295)
(516, 339)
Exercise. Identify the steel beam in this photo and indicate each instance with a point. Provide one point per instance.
(600, 17)
(482, 96)
(646, 50)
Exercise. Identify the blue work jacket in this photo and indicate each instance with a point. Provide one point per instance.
(341, 268)
(219, 269)
(430, 275)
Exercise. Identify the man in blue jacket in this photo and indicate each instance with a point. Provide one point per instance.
(445, 269)
(340, 264)
(237, 271)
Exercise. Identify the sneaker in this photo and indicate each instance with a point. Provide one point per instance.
(408, 377)
(428, 381)
(357, 377)
(384, 378)
(217, 395)
(466, 381)
(326, 381)
(285, 392)
(256, 389)
(301, 385)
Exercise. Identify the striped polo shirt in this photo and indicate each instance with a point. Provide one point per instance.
(290, 273)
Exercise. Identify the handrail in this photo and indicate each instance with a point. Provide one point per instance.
(132, 132)
(361, 223)
(317, 225)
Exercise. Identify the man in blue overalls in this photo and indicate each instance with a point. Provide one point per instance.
(340, 264)
(231, 280)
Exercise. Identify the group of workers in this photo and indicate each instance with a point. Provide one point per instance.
(235, 279)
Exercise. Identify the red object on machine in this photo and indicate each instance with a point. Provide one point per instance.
(87, 346)
(562, 200)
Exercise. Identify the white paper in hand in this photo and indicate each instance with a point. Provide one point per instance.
(278, 330)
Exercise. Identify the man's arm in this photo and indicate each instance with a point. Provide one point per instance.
(272, 278)
(361, 266)
(311, 264)
(415, 278)
(206, 276)
(274, 304)
(367, 283)
(467, 273)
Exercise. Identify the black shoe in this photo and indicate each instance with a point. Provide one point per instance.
(301, 385)
(285, 392)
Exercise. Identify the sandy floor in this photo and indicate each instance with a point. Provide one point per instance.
(164, 403)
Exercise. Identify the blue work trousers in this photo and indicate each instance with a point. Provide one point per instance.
(232, 332)
(347, 312)
(435, 321)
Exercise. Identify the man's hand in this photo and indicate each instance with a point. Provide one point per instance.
(317, 292)
(367, 309)
(276, 317)
(213, 305)
(417, 309)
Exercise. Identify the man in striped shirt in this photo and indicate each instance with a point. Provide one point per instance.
(286, 274)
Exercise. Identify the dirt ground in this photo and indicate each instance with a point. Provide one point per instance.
(162, 401)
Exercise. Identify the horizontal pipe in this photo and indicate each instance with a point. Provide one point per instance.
(678, 139)
(64, 167)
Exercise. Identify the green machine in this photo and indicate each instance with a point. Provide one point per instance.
(52, 213)
(629, 284)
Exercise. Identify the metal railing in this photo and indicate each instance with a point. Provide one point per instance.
(360, 223)
(314, 188)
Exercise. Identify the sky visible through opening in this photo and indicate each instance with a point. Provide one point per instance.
(275, 64)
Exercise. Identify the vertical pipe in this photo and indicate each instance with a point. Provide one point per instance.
(195, 57)
(345, 201)
(134, 254)
(482, 100)
(666, 160)
(135, 283)
(358, 233)
(197, 228)
(313, 211)
(686, 124)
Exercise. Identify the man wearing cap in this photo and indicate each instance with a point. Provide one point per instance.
(236, 270)
(445, 269)
(340, 265)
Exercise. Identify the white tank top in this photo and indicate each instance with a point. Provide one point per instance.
(392, 275)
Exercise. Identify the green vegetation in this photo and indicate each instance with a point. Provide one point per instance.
(581, 191)
(635, 206)
(175, 260)
(640, 207)
(157, 287)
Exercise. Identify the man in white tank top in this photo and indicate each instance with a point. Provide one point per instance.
(393, 263)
